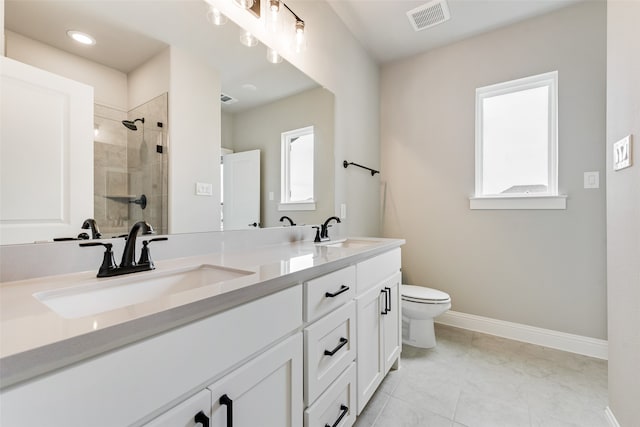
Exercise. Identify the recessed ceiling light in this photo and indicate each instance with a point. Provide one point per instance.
(81, 37)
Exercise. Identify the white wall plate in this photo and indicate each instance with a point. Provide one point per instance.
(622, 154)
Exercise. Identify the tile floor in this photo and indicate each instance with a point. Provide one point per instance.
(475, 380)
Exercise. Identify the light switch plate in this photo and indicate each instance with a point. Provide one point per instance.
(592, 179)
(622, 154)
(204, 189)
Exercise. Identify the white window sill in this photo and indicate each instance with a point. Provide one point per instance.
(302, 206)
(518, 202)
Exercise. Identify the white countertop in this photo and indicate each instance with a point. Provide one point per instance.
(35, 340)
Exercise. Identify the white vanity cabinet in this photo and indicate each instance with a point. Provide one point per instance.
(378, 321)
(265, 392)
(193, 412)
(330, 349)
(309, 355)
(135, 383)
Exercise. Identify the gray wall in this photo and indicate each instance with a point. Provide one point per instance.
(623, 212)
(539, 268)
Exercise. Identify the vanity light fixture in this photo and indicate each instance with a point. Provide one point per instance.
(248, 39)
(273, 56)
(300, 43)
(82, 38)
(245, 4)
(273, 23)
(216, 17)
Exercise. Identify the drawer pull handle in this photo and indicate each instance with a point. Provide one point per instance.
(343, 342)
(344, 410)
(384, 309)
(225, 400)
(343, 288)
(202, 419)
(389, 300)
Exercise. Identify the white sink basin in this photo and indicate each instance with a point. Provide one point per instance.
(101, 295)
(350, 243)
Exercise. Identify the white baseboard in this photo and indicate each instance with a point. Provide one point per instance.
(516, 331)
(611, 418)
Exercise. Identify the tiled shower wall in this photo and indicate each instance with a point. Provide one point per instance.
(110, 183)
(147, 163)
(128, 164)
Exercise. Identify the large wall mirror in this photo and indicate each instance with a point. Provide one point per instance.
(163, 137)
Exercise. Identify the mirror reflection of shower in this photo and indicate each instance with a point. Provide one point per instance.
(132, 124)
(130, 166)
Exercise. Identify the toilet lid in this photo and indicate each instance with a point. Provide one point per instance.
(420, 293)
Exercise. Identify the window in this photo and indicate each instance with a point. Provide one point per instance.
(297, 170)
(516, 145)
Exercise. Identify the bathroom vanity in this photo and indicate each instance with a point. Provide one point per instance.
(282, 335)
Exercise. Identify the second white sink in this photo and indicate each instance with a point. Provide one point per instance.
(101, 295)
(350, 243)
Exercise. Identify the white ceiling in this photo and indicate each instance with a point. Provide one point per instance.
(384, 30)
(129, 32)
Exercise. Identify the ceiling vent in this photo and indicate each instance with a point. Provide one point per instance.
(429, 15)
(226, 99)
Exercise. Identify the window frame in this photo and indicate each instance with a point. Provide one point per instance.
(544, 200)
(285, 178)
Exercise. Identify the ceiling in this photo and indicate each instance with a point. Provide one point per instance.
(383, 28)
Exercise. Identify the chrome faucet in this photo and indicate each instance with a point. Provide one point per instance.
(91, 224)
(291, 223)
(324, 230)
(128, 263)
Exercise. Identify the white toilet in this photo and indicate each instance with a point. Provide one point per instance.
(420, 306)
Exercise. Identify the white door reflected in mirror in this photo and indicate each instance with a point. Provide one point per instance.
(241, 190)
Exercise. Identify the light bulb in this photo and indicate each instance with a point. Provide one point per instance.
(245, 4)
(216, 17)
(248, 39)
(273, 56)
(300, 39)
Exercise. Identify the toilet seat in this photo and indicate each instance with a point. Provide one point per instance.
(422, 295)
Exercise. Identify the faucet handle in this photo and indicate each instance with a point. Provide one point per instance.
(108, 261)
(145, 256)
(317, 239)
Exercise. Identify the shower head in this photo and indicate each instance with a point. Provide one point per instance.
(131, 124)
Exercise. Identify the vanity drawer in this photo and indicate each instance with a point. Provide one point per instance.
(326, 293)
(377, 269)
(340, 398)
(330, 346)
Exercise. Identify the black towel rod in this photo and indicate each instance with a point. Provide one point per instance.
(373, 171)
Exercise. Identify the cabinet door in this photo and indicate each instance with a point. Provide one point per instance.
(392, 322)
(193, 412)
(370, 366)
(265, 392)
